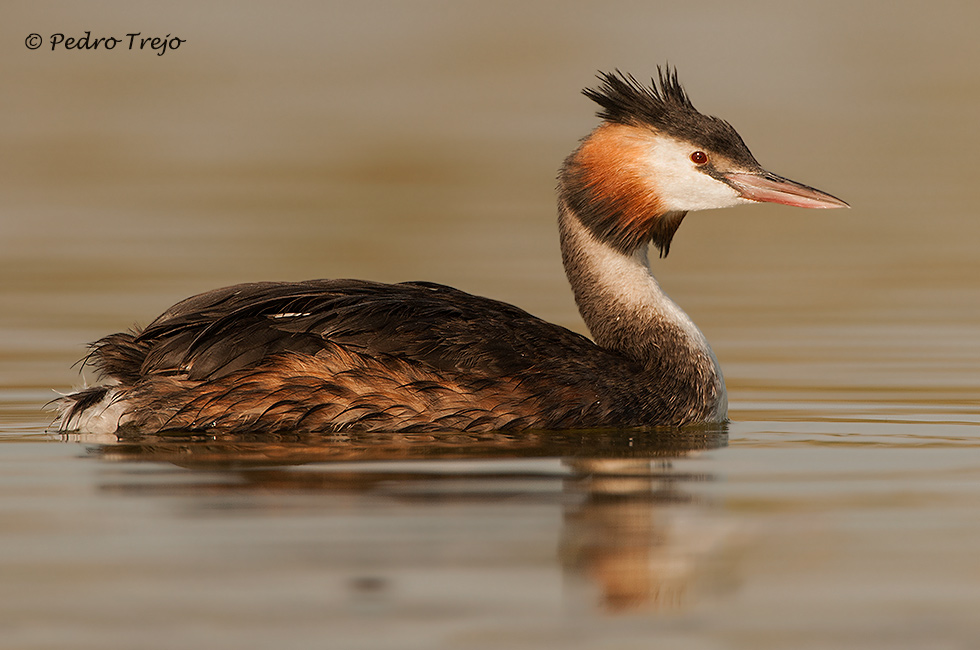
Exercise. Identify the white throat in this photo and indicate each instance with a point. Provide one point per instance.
(622, 281)
(626, 310)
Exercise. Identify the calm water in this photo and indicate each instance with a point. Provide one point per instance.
(420, 141)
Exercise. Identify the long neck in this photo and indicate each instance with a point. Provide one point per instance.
(626, 311)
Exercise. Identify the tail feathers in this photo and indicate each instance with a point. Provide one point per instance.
(100, 409)
(94, 410)
(119, 356)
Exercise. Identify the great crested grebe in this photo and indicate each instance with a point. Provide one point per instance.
(334, 355)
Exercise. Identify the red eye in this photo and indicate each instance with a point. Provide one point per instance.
(699, 157)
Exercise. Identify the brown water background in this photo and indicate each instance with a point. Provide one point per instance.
(403, 141)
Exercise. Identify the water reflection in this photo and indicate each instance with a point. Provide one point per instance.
(236, 451)
(624, 537)
(631, 537)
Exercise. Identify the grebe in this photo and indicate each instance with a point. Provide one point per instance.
(334, 355)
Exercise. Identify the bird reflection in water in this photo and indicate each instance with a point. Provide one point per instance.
(637, 536)
(634, 536)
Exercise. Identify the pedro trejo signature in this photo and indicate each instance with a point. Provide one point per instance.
(131, 41)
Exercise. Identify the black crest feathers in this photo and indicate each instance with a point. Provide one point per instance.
(624, 100)
(665, 107)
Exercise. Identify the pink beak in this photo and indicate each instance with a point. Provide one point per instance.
(769, 188)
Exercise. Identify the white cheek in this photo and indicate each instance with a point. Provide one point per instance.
(679, 183)
(690, 190)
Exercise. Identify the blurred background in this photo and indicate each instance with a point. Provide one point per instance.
(420, 141)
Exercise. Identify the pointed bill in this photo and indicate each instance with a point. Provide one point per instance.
(769, 188)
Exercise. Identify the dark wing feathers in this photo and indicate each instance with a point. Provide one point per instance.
(216, 333)
(337, 354)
